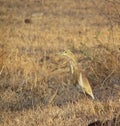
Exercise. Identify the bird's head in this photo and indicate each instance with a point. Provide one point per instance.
(67, 53)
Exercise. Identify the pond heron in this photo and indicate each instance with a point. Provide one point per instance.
(77, 77)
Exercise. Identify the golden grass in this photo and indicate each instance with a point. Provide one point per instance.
(35, 87)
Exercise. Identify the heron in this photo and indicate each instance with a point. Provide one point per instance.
(76, 76)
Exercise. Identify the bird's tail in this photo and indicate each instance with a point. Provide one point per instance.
(92, 95)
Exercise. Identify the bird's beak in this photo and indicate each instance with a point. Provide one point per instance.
(60, 53)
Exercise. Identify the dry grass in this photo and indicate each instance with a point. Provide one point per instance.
(34, 81)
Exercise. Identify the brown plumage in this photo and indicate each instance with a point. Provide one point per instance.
(76, 76)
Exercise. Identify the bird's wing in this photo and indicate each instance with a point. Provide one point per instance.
(86, 85)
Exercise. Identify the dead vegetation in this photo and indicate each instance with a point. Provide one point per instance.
(35, 87)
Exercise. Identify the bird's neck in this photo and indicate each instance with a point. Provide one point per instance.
(73, 66)
(74, 71)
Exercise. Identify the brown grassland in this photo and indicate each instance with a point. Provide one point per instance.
(35, 87)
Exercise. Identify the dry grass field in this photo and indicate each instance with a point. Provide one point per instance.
(35, 88)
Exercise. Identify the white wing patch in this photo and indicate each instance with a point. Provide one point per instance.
(81, 80)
